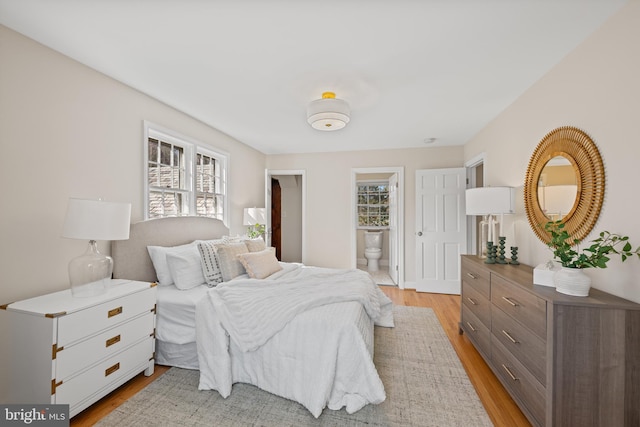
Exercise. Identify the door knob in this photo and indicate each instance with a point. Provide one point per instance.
(419, 233)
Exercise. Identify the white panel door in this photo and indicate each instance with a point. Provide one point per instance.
(393, 227)
(441, 229)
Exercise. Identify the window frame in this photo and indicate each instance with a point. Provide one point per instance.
(369, 182)
(191, 148)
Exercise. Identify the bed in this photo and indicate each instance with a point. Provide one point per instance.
(303, 333)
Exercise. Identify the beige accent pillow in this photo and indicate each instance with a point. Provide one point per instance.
(255, 245)
(230, 266)
(260, 264)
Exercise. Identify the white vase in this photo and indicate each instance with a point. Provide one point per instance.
(572, 281)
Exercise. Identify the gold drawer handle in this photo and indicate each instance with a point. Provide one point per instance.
(112, 369)
(471, 327)
(513, 340)
(472, 301)
(513, 377)
(114, 312)
(510, 302)
(471, 275)
(112, 341)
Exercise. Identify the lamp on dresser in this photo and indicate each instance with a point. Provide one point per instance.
(487, 202)
(94, 220)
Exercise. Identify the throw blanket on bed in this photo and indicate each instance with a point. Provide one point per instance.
(251, 311)
(312, 330)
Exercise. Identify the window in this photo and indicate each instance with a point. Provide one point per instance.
(182, 177)
(373, 204)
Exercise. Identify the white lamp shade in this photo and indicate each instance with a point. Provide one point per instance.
(253, 216)
(97, 220)
(328, 113)
(490, 200)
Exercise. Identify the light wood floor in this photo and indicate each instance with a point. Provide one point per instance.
(500, 407)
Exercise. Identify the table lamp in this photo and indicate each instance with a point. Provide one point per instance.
(93, 220)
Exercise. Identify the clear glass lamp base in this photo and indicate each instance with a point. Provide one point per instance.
(90, 273)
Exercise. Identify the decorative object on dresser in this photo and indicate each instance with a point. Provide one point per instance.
(514, 256)
(566, 361)
(487, 202)
(57, 349)
(94, 220)
(571, 279)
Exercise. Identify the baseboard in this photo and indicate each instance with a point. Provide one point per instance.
(410, 285)
(363, 261)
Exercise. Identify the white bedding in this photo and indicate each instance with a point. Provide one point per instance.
(313, 344)
(176, 313)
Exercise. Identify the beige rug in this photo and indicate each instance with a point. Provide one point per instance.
(425, 383)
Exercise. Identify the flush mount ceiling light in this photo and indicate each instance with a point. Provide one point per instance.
(328, 113)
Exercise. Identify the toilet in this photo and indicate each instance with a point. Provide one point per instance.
(373, 248)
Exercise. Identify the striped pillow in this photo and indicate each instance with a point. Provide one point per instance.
(209, 262)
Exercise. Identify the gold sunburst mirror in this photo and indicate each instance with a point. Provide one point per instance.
(565, 181)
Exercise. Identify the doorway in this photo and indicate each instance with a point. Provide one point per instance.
(475, 178)
(285, 200)
(392, 261)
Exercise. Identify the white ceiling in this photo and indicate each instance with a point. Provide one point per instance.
(410, 70)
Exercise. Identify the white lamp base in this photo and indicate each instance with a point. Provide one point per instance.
(90, 273)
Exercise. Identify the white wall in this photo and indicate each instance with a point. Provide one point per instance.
(597, 89)
(69, 131)
(329, 192)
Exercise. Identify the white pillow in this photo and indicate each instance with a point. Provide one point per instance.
(231, 266)
(186, 268)
(260, 264)
(209, 262)
(158, 256)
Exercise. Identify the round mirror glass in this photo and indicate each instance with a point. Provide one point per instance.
(558, 187)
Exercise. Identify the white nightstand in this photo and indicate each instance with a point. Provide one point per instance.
(59, 349)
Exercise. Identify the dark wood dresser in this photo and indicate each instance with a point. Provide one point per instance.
(566, 361)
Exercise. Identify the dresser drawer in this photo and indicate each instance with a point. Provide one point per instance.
(527, 347)
(475, 277)
(526, 308)
(110, 370)
(73, 359)
(81, 324)
(477, 303)
(476, 331)
(521, 384)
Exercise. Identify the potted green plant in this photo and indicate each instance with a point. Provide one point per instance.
(571, 279)
(256, 230)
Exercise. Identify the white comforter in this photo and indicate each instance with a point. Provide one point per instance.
(305, 334)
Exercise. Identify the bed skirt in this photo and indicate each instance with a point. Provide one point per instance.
(178, 355)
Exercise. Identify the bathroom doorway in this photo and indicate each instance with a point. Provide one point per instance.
(377, 205)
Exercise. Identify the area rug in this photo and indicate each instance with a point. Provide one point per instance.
(424, 380)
